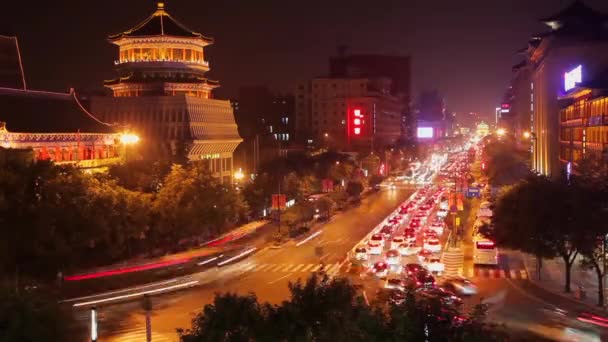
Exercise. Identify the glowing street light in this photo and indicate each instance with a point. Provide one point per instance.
(526, 135)
(238, 175)
(129, 138)
(501, 131)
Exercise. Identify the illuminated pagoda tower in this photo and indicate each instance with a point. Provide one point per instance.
(162, 93)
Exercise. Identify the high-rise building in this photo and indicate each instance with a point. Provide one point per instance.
(348, 114)
(162, 93)
(578, 37)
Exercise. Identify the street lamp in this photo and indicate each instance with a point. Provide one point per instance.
(239, 175)
(129, 138)
(501, 131)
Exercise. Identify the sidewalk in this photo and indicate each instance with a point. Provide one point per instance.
(553, 278)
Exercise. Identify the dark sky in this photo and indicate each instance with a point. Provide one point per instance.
(464, 48)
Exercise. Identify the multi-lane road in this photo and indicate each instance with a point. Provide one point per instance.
(267, 273)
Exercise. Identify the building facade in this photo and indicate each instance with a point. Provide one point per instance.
(325, 106)
(55, 127)
(577, 36)
(162, 93)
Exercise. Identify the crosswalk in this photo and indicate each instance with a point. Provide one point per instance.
(291, 268)
(498, 273)
(139, 335)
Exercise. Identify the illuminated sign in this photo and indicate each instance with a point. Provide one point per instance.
(572, 77)
(505, 106)
(357, 121)
(424, 132)
(210, 156)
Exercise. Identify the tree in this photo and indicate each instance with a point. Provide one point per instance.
(506, 164)
(32, 316)
(321, 309)
(537, 216)
(326, 206)
(354, 189)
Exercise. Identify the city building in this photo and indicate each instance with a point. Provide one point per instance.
(56, 127)
(161, 93)
(266, 121)
(577, 36)
(326, 110)
(395, 68)
(584, 124)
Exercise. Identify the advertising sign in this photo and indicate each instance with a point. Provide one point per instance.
(473, 192)
(572, 77)
(279, 201)
(424, 132)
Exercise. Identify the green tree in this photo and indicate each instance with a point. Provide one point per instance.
(32, 317)
(354, 189)
(326, 206)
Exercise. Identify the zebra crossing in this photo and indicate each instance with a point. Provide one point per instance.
(498, 273)
(139, 335)
(291, 268)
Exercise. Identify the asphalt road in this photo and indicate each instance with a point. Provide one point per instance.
(266, 273)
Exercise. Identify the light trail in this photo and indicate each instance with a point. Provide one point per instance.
(249, 251)
(164, 289)
(118, 291)
(309, 238)
(209, 260)
(126, 270)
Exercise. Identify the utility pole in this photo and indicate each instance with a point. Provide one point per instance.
(147, 305)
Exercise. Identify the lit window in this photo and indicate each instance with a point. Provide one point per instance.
(357, 130)
(357, 121)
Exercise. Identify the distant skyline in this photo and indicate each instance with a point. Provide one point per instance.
(465, 49)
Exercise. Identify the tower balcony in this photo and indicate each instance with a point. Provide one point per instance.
(200, 65)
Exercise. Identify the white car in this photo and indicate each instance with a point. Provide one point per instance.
(378, 238)
(437, 227)
(409, 249)
(361, 253)
(433, 265)
(432, 245)
(397, 241)
(442, 213)
(392, 257)
(380, 269)
(374, 247)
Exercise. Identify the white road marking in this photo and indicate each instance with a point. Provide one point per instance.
(163, 289)
(262, 267)
(332, 268)
(249, 251)
(312, 236)
(502, 274)
(276, 268)
(513, 274)
(316, 268)
(281, 278)
(287, 269)
(307, 267)
(297, 267)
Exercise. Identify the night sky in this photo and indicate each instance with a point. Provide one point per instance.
(464, 48)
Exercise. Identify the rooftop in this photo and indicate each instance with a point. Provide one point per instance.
(160, 23)
(577, 13)
(28, 111)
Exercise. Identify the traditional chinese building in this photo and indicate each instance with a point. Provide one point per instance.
(55, 126)
(162, 93)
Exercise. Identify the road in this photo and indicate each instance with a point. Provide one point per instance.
(267, 273)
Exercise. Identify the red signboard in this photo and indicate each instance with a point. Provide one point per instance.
(327, 185)
(357, 119)
(278, 201)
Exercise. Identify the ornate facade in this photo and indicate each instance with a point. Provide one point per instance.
(162, 93)
(57, 128)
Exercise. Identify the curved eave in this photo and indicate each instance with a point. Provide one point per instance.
(115, 39)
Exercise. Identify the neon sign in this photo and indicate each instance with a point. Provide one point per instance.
(572, 77)
(424, 132)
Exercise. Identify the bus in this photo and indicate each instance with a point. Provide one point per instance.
(485, 252)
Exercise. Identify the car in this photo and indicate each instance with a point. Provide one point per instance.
(397, 241)
(429, 234)
(432, 244)
(378, 238)
(433, 265)
(445, 297)
(380, 269)
(394, 284)
(361, 253)
(461, 286)
(409, 231)
(442, 213)
(420, 279)
(404, 211)
(408, 249)
(386, 232)
(423, 254)
(396, 297)
(410, 269)
(373, 248)
(421, 216)
(437, 227)
(415, 223)
(392, 257)
(410, 238)
(425, 207)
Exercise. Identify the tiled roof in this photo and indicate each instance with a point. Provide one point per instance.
(160, 23)
(30, 111)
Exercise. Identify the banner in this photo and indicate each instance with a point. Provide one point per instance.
(278, 201)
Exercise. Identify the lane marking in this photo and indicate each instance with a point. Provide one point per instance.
(278, 279)
(305, 269)
(263, 267)
(274, 268)
(312, 236)
(118, 291)
(287, 269)
(298, 267)
(316, 268)
(513, 274)
(164, 289)
(248, 268)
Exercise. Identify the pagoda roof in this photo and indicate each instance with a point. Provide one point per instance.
(28, 111)
(576, 11)
(136, 78)
(160, 23)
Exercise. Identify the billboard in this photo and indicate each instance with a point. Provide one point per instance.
(424, 132)
(572, 77)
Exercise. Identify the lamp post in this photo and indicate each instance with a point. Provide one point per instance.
(93, 324)
(127, 139)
